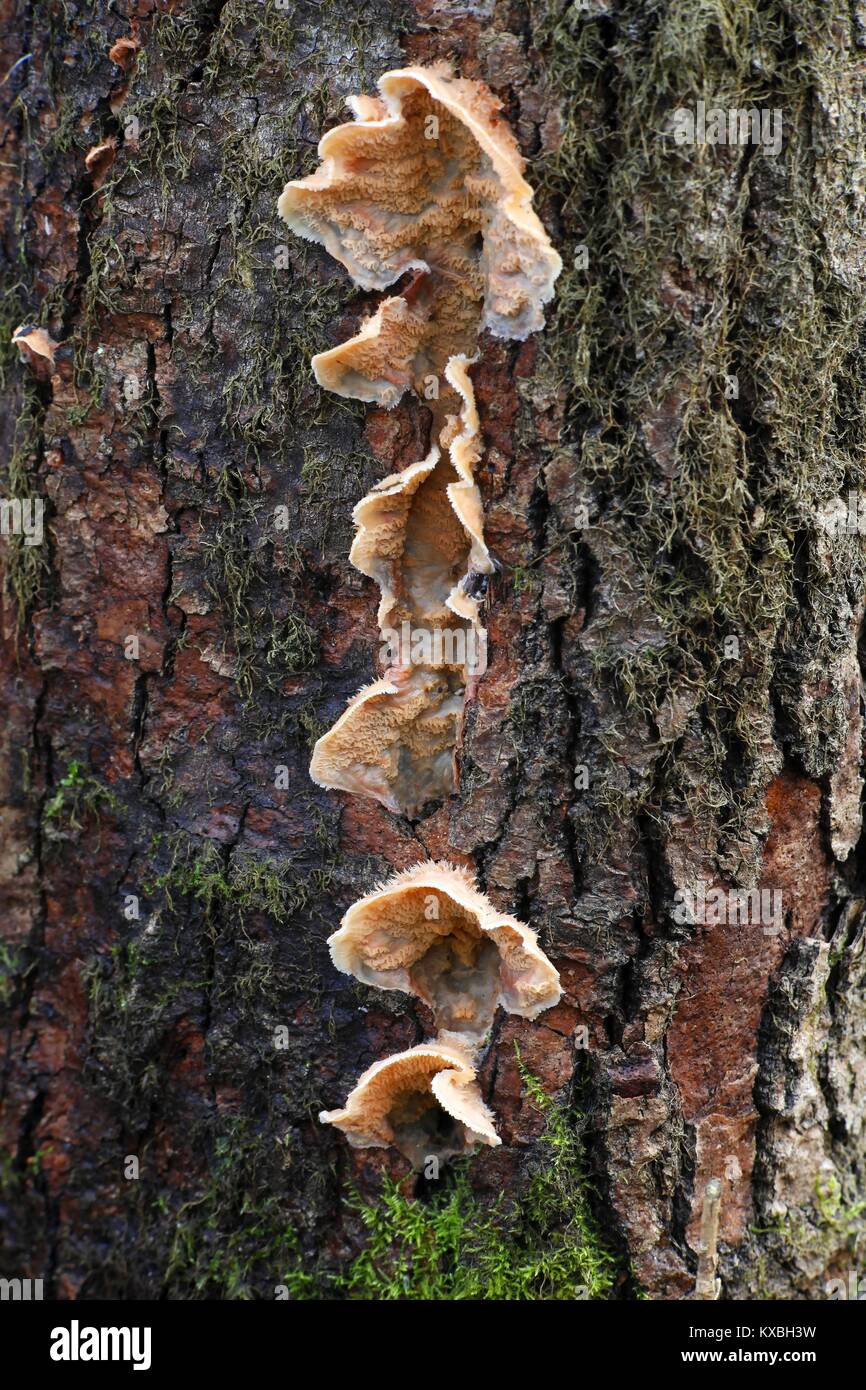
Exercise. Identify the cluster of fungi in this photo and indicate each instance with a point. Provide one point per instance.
(425, 187)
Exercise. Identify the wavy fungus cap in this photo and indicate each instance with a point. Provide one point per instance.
(428, 178)
(431, 933)
(425, 1102)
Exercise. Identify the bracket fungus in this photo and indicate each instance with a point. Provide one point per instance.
(425, 1102)
(395, 740)
(430, 932)
(425, 187)
(426, 182)
(36, 348)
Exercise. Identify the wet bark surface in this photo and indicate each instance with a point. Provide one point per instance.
(674, 690)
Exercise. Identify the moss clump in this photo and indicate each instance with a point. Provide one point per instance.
(79, 797)
(243, 883)
(239, 884)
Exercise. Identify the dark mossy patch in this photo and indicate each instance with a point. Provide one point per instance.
(218, 879)
(25, 566)
(202, 987)
(702, 266)
(267, 632)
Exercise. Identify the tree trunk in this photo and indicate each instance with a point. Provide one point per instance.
(673, 696)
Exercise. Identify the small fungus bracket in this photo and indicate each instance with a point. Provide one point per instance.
(425, 1102)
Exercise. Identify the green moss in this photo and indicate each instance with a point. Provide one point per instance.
(178, 36)
(108, 266)
(79, 797)
(524, 580)
(263, 396)
(239, 883)
(25, 444)
(330, 486)
(310, 726)
(234, 1240)
(23, 574)
(13, 301)
(162, 787)
(10, 1178)
(15, 964)
(267, 632)
(163, 140)
(811, 1235)
(257, 42)
(25, 566)
(135, 995)
(837, 1211)
(256, 163)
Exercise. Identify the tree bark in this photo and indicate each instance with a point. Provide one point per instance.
(674, 692)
